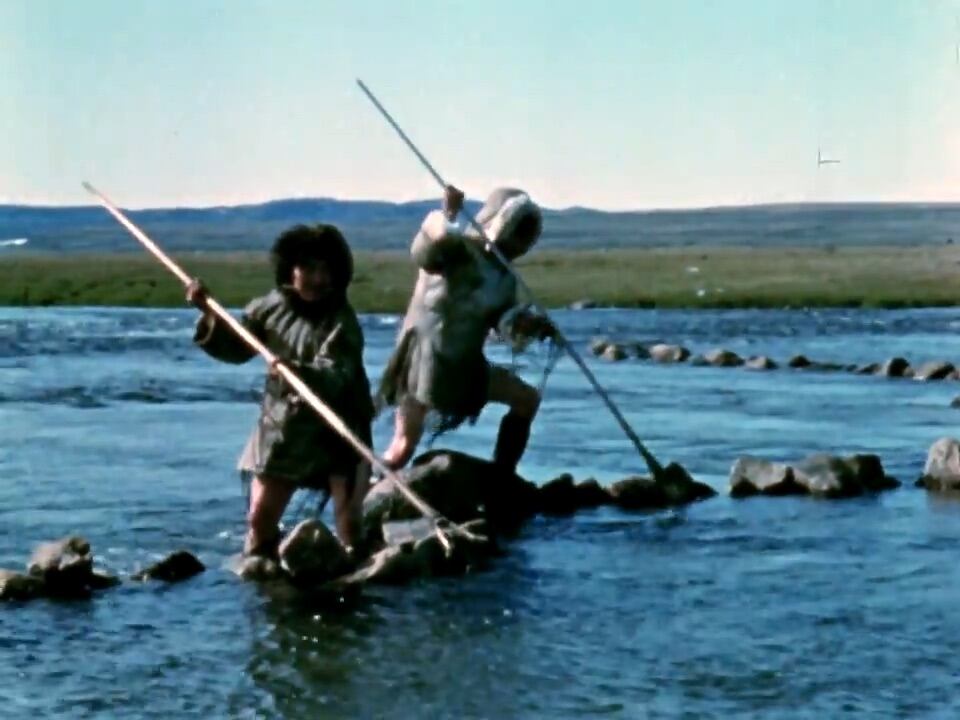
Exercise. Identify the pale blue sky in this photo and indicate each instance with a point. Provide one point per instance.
(612, 104)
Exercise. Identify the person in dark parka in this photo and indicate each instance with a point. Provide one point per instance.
(307, 322)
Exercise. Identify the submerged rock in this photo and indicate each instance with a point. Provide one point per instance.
(941, 472)
(870, 369)
(799, 361)
(178, 566)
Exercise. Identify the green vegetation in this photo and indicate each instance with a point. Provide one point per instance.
(660, 277)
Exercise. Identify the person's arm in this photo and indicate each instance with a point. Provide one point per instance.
(441, 242)
(214, 336)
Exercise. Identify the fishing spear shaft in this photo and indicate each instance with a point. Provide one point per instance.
(655, 467)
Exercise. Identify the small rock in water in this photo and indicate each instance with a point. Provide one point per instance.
(871, 369)
(894, 367)
(582, 305)
(936, 370)
(941, 472)
(760, 362)
(178, 566)
(955, 403)
(558, 497)
(598, 345)
(256, 567)
(723, 358)
(20, 586)
(664, 353)
(589, 494)
(65, 567)
(837, 477)
(799, 361)
(638, 350)
(614, 353)
(312, 555)
(755, 476)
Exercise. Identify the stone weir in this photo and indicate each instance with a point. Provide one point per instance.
(482, 505)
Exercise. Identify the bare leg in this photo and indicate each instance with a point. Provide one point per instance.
(348, 504)
(268, 500)
(524, 401)
(408, 429)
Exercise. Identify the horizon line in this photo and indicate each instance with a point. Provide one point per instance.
(4, 203)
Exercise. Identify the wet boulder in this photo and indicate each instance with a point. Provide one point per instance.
(760, 362)
(614, 353)
(718, 357)
(832, 476)
(955, 403)
(589, 494)
(941, 472)
(256, 567)
(672, 487)
(414, 551)
(895, 367)
(664, 353)
(598, 345)
(799, 362)
(310, 554)
(20, 586)
(755, 476)
(558, 496)
(176, 567)
(459, 487)
(65, 567)
(935, 370)
(638, 350)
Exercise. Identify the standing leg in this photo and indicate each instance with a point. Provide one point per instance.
(408, 429)
(514, 433)
(348, 494)
(268, 500)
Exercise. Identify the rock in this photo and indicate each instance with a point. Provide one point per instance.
(20, 586)
(598, 345)
(312, 555)
(582, 305)
(836, 477)
(178, 566)
(935, 370)
(613, 353)
(754, 476)
(871, 369)
(589, 494)
(459, 486)
(673, 487)
(558, 496)
(638, 350)
(760, 362)
(65, 566)
(421, 554)
(941, 472)
(955, 403)
(257, 568)
(829, 367)
(663, 353)
(698, 361)
(894, 367)
(799, 361)
(719, 357)
(102, 580)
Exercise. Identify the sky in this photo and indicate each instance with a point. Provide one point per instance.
(613, 104)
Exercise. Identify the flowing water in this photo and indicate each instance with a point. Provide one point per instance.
(116, 428)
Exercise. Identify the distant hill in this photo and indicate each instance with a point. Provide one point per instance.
(384, 225)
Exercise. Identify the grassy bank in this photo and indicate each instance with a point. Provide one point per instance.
(687, 277)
